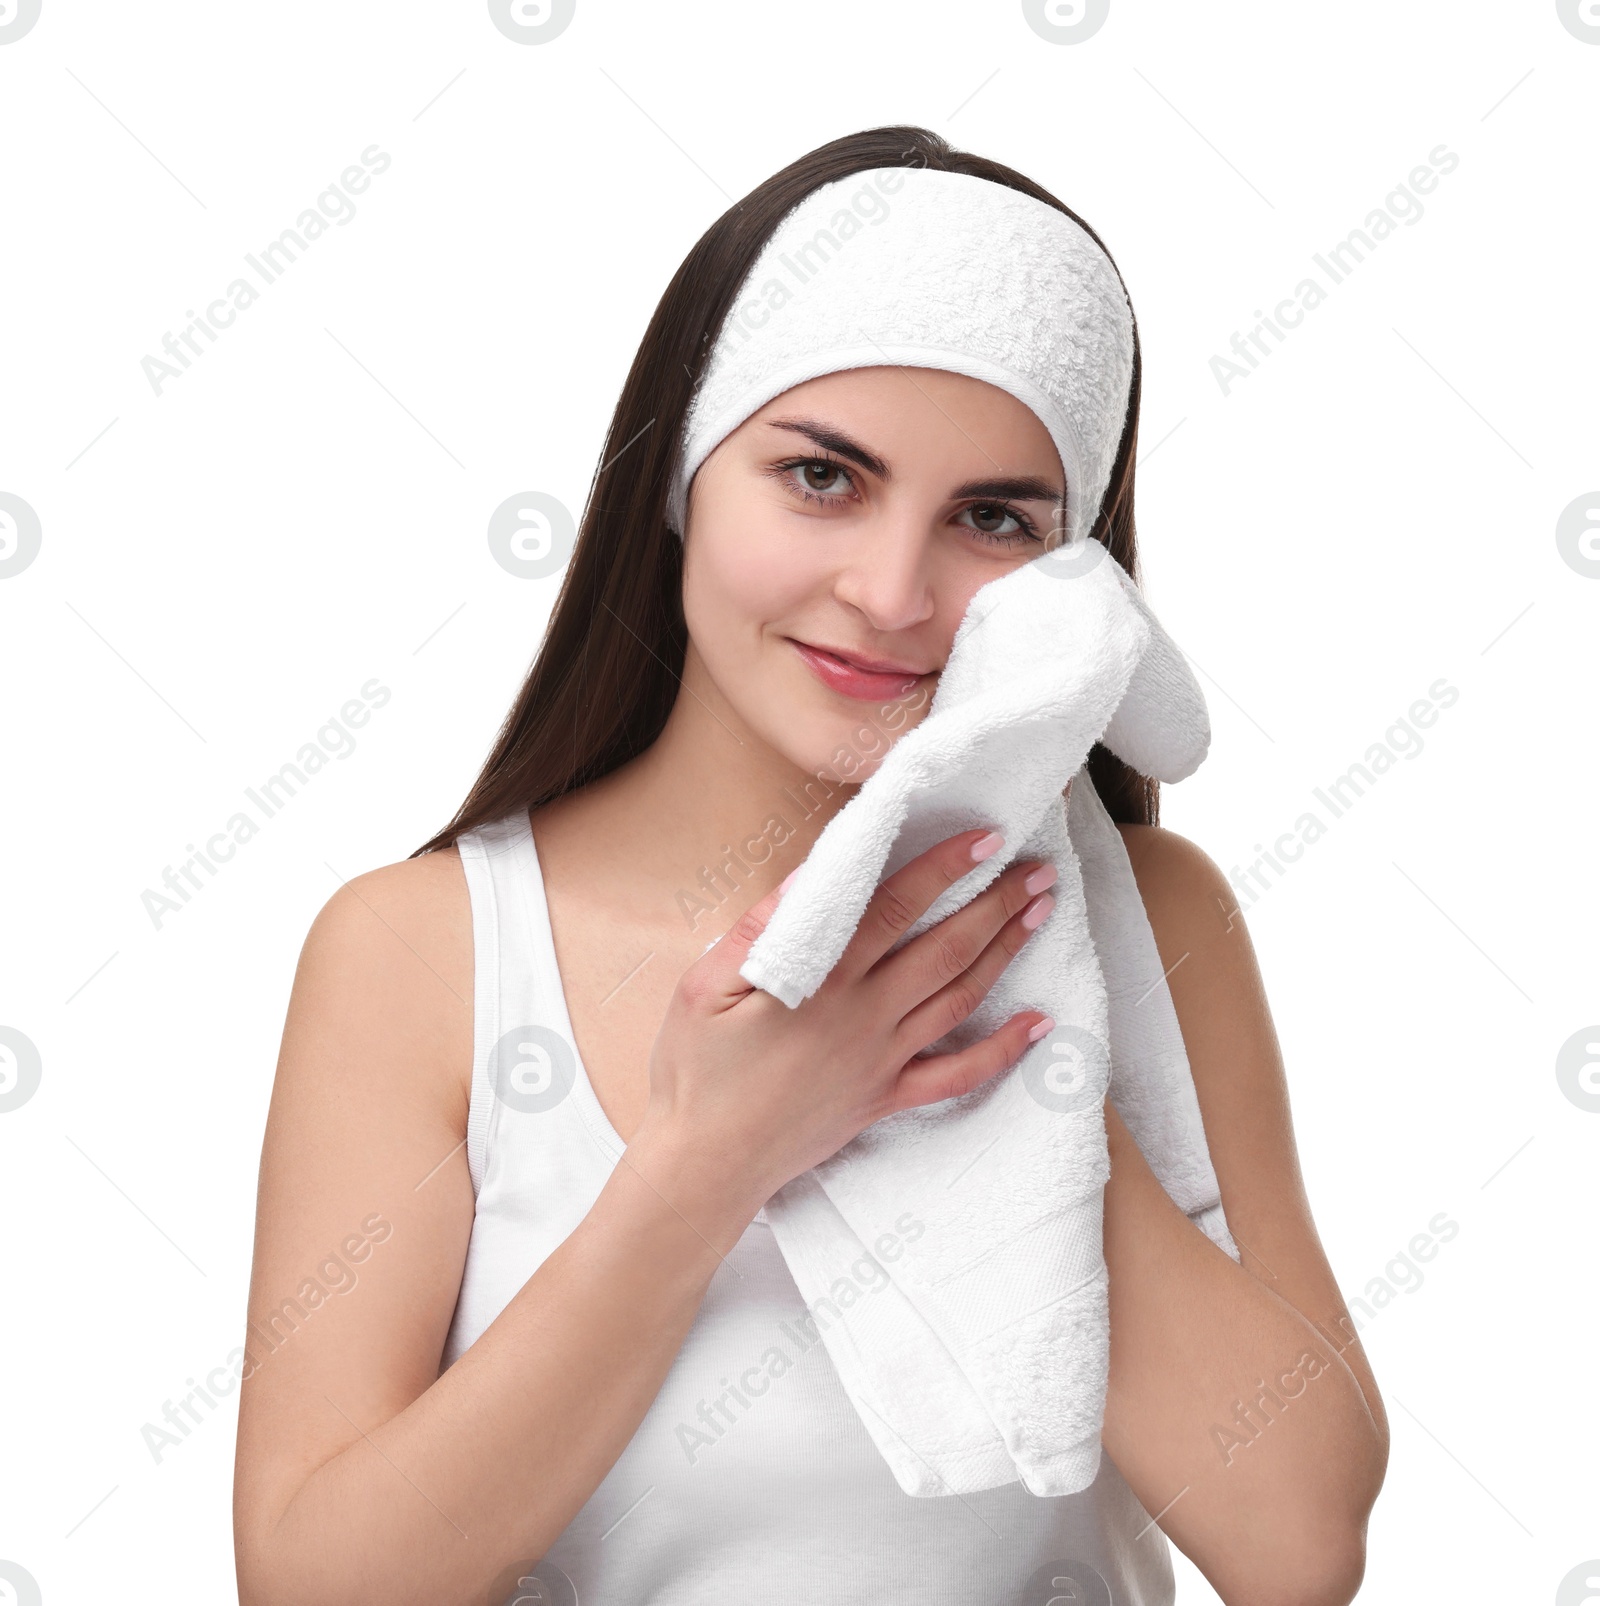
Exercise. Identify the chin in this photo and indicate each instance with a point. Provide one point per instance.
(850, 749)
(823, 735)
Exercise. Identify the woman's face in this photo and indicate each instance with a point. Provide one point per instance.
(857, 514)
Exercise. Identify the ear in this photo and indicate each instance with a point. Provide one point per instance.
(1161, 727)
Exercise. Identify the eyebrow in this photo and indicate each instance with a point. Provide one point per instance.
(1006, 488)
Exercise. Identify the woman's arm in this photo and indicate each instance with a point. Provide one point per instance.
(362, 1475)
(1239, 1410)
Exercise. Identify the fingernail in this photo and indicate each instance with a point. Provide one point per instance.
(1038, 1031)
(1037, 910)
(987, 845)
(1041, 878)
(783, 884)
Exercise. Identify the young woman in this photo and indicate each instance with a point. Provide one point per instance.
(554, 1267)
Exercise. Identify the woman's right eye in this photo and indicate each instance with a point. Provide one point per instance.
(818, 474)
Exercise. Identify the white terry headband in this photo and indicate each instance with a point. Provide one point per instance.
(907, 266)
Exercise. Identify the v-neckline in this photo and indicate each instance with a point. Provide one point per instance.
(544, 936)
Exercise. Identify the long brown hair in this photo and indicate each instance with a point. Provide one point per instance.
(607, 672)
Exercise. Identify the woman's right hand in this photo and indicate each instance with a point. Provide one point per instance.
(741, 1079)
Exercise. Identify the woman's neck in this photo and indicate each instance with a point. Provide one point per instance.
(702, 824)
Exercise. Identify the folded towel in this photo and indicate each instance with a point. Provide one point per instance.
(983, 1359)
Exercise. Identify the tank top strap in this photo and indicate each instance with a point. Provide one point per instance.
(493, 858)
(532, 1106)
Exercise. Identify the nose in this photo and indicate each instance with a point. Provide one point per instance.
(888, 576)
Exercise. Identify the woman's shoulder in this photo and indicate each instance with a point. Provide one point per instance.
(1206, 953)
(422, 903)
(396, 943)
(1175, 876)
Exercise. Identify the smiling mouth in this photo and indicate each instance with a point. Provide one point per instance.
(853, 678)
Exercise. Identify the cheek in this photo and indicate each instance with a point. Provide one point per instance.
(954, 595)
(741, 575)
(752, 586)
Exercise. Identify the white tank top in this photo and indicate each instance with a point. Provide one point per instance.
(751, 1477)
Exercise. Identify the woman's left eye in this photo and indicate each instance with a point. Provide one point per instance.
(990, 519)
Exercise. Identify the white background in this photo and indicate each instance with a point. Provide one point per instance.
(225, 564)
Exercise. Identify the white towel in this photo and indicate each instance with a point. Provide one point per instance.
(983, 1360)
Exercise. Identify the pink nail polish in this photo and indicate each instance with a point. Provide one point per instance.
(1037, 910)
(783, 885)
(1041, 1028)
(988, 845)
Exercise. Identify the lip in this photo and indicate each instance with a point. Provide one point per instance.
(854, 678)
